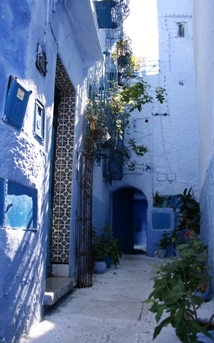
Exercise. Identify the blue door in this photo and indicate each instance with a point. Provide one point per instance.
(140, 223)
(123, 218)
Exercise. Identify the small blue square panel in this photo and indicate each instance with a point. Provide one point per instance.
(16, 103)
(161, 221)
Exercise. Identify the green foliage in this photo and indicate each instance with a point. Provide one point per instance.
(160, 94)
(135, 95)
(139, 150)
(189, 211)
(175, 289)
(105, 244)
(123, 46)
(159, 199)
(166, 240)
(118, 106)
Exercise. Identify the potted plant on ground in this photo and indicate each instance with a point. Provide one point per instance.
(175, 291)
(98, 253)
(104, 246)
(164, 243)
(189, 211)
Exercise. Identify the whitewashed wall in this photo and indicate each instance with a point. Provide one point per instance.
(203, 53)
(171, 163)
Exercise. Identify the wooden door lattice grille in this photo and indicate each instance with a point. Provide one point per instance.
(84, 222)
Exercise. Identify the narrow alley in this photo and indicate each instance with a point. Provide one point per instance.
(109, 312)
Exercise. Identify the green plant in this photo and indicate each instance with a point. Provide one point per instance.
(158, 199)
(175, 289)
(189, 211)
(108, 119)
(166, 240)
(105, 244)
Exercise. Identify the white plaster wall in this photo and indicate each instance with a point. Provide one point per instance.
(204, 51)
(182, 7)
(171, 163)
(204, 61)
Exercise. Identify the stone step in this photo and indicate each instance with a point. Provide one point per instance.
(56, 287)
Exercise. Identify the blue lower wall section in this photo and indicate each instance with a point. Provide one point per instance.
(101, 214)
(207, 213)
(21, 281)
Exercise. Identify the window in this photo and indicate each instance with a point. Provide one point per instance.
(180, 29)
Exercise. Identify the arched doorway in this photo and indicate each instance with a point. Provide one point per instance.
(129, 219)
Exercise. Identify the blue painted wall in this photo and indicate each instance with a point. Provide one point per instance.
(101, 199)
(207, 213)
(203, 54)
(25, 160)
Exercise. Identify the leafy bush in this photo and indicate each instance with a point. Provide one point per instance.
(105, 244)
(175, 290)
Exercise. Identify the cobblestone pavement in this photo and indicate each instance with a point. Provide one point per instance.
(109, 312)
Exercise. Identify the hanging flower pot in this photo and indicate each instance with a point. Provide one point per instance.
(122, 61)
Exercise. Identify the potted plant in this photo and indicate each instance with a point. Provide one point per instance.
(113, 250)
(188, 211)
(175, 291)
(164, 243)
(107, 120)
(106, 245)
(161, 201)
(98, 253)
(124, 52)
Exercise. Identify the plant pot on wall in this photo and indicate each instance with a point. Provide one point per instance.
(164, 203)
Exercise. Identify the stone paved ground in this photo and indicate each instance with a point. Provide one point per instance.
(109, 312)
